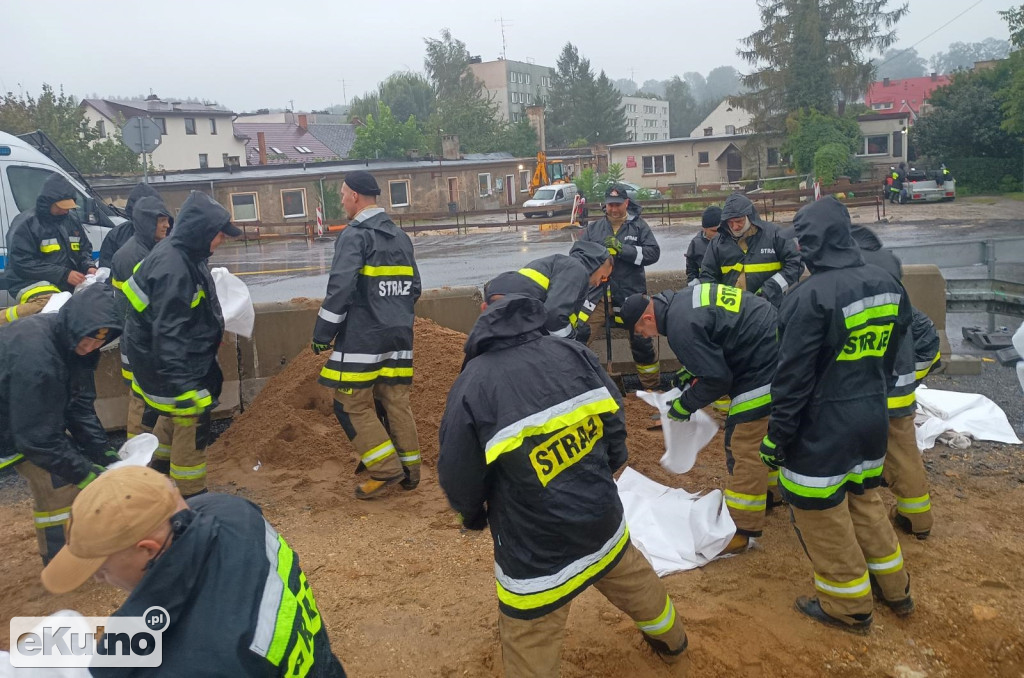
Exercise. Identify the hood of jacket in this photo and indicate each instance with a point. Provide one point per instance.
(874, 253)
(141, 190)
(87, 311)
(55, 189)
(144, 217)
(662, 300)
(365, 220)
(514, 319)
(738, 205)
(823, 233)
(199, 221)
(591, 254)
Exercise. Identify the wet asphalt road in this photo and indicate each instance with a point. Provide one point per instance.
(283, 270)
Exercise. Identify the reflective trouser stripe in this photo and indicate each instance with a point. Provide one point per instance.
(662, 623)
(378, 454)
(653, 368)
(921, 504)
(887, 565)
(773, 478)
(162, 452)
(897, 402)
(409, 458)
(44, 519)
(859, 587)
(362, 377)
(758, 397)
(37, 290)
(746, 502)
(187, 472)
(818, 487)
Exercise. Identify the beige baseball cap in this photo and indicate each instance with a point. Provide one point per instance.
(66, 204)
(112, 513)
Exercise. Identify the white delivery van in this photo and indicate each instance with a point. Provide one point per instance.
(547, 201)
(23, 170)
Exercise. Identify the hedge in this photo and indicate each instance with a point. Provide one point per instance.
(985, 174)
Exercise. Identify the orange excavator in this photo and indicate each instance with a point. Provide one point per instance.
(547, 173)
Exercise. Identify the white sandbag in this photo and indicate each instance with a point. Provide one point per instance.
(683, 439)
(100, 276)
(675, 530)
(970, 413)
(137, 451)
(55, 302)
(235, 302)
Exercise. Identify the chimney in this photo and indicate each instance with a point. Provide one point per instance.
(450, 147)
(935, 77)
(535, 114)
(261, 141)
(885, 82)
(302, 122)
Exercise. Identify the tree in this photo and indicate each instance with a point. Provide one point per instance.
(961, 55)
(811, 54)
(383, 136)
(520, 139)
(898, 64)
(683, 113)
(626, 87)
(404, 93)
(722, 82)
(1011, 95)
(447, 65)
(582, 106)
(809, 130)
(654, 87)
(1014, 18)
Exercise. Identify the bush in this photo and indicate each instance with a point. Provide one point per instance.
(1009, 184)
(809, 131)
(830, 161)
(984, 175)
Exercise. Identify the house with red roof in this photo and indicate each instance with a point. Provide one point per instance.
(275, 143)
(906, 95)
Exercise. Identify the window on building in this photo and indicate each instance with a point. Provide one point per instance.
(162, 122)
(664, 123)
(484, 181)
(659, 164)
(399, 193)
(276, 150)
(702, 159)
(664, 110)
(524, 181)
(515, 97)
(630, 108)
(204, 161)
(527, 78)
(730, 129)
(190, 125)
(650, 110)
(631, 122)
(293, 203)
(516, 117)
(529, 99)
(773, 157)
(709, 131)
(511, 76)
(245, 207)
(101, 129)
(882, 106)
(876, 144)
(897, 144)
(664, 135)
(213, 125)
(650, 136)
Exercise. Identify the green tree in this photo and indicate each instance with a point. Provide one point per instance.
(809, 130)
(683, 110)
(404, 93)
(830, 161)
(520, 139)
(582, 106)
(384, 137)
(812, 54)
(962, 55)
(1014, 18)
(447, 65)
(898, 63)
(1011, 94)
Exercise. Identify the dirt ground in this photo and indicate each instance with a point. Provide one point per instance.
(404, 592)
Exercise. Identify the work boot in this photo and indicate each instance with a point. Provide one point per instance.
(812, 608)
(902, 608)
(372, 487)
(903, 522)
(774, 500)
(412, 476)
(661, 649)
(360, 467)
(738, 544)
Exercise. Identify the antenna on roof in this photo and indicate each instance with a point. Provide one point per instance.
(504, 47)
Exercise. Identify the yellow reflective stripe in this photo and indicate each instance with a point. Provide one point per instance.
(198, 297)
(888, 564)
(75, 246)
(37, 290)
(337, 375)
(49, 245)
(378, 453)
(753, 268)
(746, 502)
(136, 297)
(532, 601)
(922, 373)
(162, 452)
(573, 319)
(583, 316)
(378, 271)
(705, 294)
(921, 504)
(118, 284)
(127, 374)
(169, 406)
(897, 402)
(11, 314)
(409, 458)
(662, 623)
(44, 519)
(857, 588)
(653, 368)
(883, 311)
(188, 472)
(556, 423)
(286, 611)
(536, 276)
(773, 479)
(821, 488)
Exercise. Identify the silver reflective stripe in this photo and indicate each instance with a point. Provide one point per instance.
(894, 562)
(49, 241)
(409, 457)
(589, 305)
(871, 302)
(74, 238)
(695, 281)
(270, 601)
(124, 360)
(564, 332)
(537, 584)
(814, 481)
(905, 380)
(780, 280)
(923, 365)
(331, 317)
(750, 395)
(52, 520)
(852, 589)
(366, 214)
(542, 417)
(143, 297)
(696, 295)
(373, 456)
(639, 256)
(370, 358)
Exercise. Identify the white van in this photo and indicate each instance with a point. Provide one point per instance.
(550, 200)
(23, 170)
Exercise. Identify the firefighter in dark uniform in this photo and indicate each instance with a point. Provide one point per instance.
(119, 235)
(565, 280)
(633, 246)
(532, 432)
(152, 222)
(725, 339)
(904, 466)
(46, 362)
(840, 332)
(709, 223)
(367, 316)
(750, 253)
(173, 332)
(48, 250)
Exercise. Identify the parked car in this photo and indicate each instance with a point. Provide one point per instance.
(632, 190)
(547, 201)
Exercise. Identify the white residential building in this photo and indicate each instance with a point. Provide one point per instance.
(514, 85)
(646, 119)
(725, 120)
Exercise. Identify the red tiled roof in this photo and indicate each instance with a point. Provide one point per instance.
(284, 136)
(906, 94)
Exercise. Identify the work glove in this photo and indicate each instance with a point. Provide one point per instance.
(93, 474)
(476, 522)
(613, 244)
(771, 454)
(319, 348)
(109, 457)
(682, 378)
(676, 411)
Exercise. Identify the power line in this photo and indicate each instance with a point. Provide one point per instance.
(899, 54)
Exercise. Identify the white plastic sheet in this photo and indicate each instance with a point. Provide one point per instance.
(137, 451)
(675, 530)
(235, 302)
(683, 439)
(67, 618)
(55, 302)
(101, 275)
(970, 413)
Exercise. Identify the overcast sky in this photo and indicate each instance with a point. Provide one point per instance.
(265, 53)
